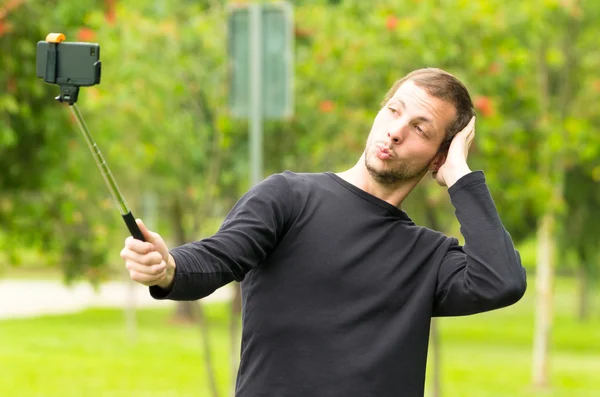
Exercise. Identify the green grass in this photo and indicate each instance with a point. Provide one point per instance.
(89, 354)
(490, 354)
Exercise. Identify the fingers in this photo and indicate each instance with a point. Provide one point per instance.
(154, 239)
(148, 235)
(145, 265)
(467, 135)
(470, 127)
(436, 176)
(471, 135)
(145, 232)
(468, 130)
(151, 270)
(146, 259)
(147, 275)
(141, 247)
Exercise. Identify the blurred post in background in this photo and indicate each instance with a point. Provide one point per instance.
(260, 49)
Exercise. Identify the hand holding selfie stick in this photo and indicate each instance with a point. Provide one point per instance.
(76, 66)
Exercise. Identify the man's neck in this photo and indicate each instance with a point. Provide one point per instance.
(395, 194)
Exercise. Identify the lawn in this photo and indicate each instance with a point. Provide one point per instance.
(490, 354)
(90, 354)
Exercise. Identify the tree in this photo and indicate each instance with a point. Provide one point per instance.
(578, 238)
(32, 136)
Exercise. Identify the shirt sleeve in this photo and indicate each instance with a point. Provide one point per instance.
(249, 232)
(486, 273)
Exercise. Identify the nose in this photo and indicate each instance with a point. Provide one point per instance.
(395, 132)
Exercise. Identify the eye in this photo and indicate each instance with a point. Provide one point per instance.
(393, 110)
(420, 131)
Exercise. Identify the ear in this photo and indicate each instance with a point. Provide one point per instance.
(437, 162)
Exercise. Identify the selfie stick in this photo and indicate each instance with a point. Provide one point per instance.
(69, 94)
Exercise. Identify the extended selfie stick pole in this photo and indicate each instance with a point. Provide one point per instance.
(111, 183)
(69, 94)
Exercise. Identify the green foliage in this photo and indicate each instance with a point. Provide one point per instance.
(31, 133)
(161, 91)
(160, 116)
(579, 235)
(168, 132)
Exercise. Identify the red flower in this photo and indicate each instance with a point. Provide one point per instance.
(86, 34)
(391, 22)
(326, 106)
(494, 68)
(111, 13)
(484, 105)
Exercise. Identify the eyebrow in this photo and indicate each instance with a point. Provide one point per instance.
(420, 118)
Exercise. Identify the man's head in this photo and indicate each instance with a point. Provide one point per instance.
(412, 132)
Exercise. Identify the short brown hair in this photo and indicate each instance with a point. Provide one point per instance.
(441, 84)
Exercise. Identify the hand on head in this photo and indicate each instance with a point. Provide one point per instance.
(455, 166)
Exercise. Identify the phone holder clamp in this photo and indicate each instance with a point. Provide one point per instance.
(68, 93)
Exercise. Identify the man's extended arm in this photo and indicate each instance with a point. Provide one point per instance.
(250, 231)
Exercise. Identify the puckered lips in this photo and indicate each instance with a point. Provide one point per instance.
(383, 152)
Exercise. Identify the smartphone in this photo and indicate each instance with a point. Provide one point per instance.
(71, 63)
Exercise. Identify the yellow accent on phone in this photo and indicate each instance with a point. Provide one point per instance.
(55, 37)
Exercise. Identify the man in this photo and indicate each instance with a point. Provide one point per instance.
(338, 284)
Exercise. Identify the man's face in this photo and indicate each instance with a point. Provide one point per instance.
(406, 135)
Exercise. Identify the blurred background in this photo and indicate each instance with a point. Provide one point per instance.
(173, 120)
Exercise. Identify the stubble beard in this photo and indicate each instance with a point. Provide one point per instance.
(400, 173)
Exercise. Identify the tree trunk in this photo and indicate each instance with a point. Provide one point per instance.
(552, 168)
(185, 311)
(130, 312)
(434, 223)
(234, 332)
(210, 371)
(192, 311)
(583, 304)
(437, 365)
(543, 312)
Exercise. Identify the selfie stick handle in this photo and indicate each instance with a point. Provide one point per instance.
(107, 175)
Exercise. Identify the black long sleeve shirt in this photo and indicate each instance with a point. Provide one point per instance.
(339, 287)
